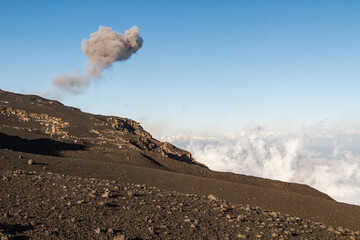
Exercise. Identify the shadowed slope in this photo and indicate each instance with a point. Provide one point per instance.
(43, 146)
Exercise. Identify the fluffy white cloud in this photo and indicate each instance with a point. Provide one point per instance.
(325, 158)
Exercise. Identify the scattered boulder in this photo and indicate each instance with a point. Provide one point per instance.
(120, 237)
(212, 197)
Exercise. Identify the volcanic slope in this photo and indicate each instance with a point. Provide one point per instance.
(53, 206)
(64, 140)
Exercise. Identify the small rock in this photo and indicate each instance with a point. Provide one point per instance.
(31, 162)
(212, 197)
(340, 229)
(241, 236)
(240, 218)
(106, 194)
(110, 230)
(98, 230)
(4, 237)
(120, 237)
(92, 195)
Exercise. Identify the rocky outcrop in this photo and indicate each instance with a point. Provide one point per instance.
(51, 125)
(128, 126)
(143, 140)
(52, 119)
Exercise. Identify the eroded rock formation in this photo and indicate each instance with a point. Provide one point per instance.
(54, 120)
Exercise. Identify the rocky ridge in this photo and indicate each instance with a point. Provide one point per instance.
(98, 130)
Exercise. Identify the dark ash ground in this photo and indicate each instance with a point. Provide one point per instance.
(53, 206)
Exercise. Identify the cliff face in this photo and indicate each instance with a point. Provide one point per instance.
(51, 119)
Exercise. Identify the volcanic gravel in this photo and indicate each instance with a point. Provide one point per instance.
(53, 206)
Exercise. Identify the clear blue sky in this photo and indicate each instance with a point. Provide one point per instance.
(204, 66)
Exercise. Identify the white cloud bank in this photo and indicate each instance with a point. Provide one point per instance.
(322, 157)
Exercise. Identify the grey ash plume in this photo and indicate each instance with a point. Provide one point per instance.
(103, 48)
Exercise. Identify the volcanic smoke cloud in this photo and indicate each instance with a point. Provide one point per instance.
(103, 49)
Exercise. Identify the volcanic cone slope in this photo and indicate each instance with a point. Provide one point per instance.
(37, 134)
